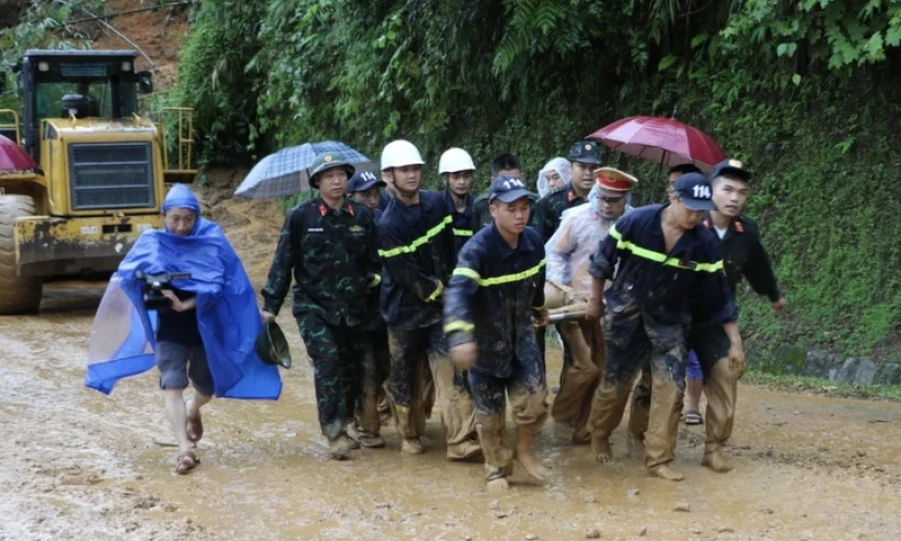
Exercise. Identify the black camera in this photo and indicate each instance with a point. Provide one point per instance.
(153, 286)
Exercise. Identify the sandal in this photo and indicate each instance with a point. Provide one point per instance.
(195, 428)
(693, 417)
(186, 462)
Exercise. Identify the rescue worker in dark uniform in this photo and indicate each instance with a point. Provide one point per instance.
(585, 160)
(331, 246)
(365, 188)
(417, 249)
(504, 165)
(456, 169)
(743, 256)
(663, 257)
(496, 291)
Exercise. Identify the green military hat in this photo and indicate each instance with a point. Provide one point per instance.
(272, 346)
(326, 161)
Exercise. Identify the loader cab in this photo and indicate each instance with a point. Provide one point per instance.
(77, 84)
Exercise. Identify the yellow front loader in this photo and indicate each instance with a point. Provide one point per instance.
(102, 170)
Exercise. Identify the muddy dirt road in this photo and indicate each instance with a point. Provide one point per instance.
(75, 464)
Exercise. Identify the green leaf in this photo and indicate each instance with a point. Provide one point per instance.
(666, 62)
(780, 50)
(796, 79)
(698, 40)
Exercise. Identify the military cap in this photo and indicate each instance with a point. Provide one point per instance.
(585, 152)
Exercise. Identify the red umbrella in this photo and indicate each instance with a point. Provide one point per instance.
(661, 140)
(13, 157)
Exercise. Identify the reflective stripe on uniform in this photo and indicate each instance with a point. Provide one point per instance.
(662, 258)
(376, 280)
(412, 247)
(435, 294)
(499, 280)
(459, 326)
(462, 232)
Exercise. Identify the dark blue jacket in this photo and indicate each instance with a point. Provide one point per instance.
(384, 199)
(491, 298)
(417, 250)
(373, 320)
(648, 280)
(464, 223)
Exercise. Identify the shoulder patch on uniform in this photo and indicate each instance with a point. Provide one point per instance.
(315, 230)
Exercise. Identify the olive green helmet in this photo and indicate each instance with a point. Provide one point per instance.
(272, 346)
(326, 161)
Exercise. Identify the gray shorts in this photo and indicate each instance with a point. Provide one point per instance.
(177, 363)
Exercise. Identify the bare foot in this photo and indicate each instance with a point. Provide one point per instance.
(532, 467)
(635, 446)
(600, 447)
(497, 485)
(716, 462)
(665, 472)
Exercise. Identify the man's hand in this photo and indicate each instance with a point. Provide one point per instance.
(779, 307)
(177, 304)
(737, 360)
(463, 356)
(595, 309)
(267, 316)
(541, 317)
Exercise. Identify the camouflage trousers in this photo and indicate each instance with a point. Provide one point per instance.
(335, 351)
(631, 346)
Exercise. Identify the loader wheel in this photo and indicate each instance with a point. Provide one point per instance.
(18, 295)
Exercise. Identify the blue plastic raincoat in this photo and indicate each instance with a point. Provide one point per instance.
(122, 337)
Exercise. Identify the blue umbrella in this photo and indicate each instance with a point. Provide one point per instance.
(287, 172)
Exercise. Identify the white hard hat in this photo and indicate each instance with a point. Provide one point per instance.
(455, 160)
(399, 153)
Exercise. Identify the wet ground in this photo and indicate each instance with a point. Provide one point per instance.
(75, 464)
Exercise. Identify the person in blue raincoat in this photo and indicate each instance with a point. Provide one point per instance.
(205, 338)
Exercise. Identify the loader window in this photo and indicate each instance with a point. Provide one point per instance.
(49, 97)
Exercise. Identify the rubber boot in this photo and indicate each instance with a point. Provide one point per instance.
(721, 390)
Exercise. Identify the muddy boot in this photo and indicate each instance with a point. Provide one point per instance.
(341, 446)
(714, 459)
(370, 441)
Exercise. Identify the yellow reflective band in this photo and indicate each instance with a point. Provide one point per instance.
(662, 258)
(412, 247)
(462, 232)
(435, 294)
(376, 280)
(542, 307)
(459, 326)
(468, 273)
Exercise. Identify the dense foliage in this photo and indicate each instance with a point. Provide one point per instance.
(807, 91)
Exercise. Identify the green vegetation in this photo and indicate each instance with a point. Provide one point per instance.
(808, 92)
(799, 384)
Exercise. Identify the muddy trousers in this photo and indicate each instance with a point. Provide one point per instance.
(376, 365)
(720, 386)
(660, 345)
(411, 377)
(583, 364)
(335, 353)
(528, 399)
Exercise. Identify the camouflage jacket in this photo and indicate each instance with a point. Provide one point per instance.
(548, 211)
(333, 255)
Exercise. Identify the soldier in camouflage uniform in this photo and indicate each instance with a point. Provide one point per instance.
(330, 245)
